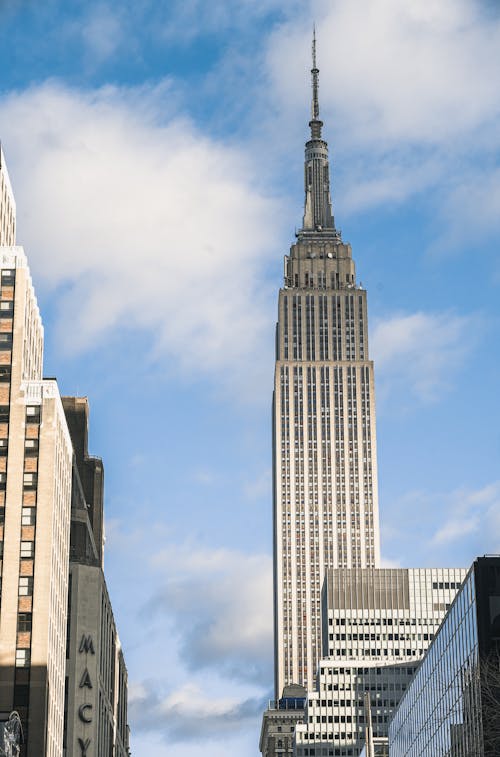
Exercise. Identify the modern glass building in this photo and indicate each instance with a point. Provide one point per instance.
(377, 624)
(452, 705)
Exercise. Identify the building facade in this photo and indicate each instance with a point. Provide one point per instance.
(49, 504)
(451, 707)
(96, 676)
(377, 625)
(7, 207)
(277, 734)
(35, 511)
(324, 440)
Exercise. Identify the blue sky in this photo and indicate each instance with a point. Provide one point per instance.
(156, 152)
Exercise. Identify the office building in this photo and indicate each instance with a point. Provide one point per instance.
(325, 461)
(279, 720)
(451, 707)
(35, 509)
(96, 686)
(376, 748)
(44, 499)
(377, 625)
(7, 207)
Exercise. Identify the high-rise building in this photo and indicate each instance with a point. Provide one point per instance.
(452, 705)
(35, 510)
(96, 676)
(7, 206)
(377, 625)
(325, 460)
(277, 735)
(47, 491)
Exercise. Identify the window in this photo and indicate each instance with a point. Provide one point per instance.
(5, 372)
(27, 549)
(28, 516)
(6, 308)
(24, 622)
(31, 447)
(25, 586)
(33, 414)
(22, 658)
(5, 341)
(4, 446)
(29, 480)
(4, 413)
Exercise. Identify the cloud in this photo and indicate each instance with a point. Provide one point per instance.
(470, 512)
(219, 604)
(188, 19)
(474, 203)
(102, 33)
(448, 527)
(410, 96)
(190, 713)
(398, 72)
(419, 351)
(149, 224)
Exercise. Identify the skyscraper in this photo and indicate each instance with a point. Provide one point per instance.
(35, 510)
(51, 507)
(325, 460)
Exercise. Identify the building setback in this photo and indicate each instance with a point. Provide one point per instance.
(451, 707)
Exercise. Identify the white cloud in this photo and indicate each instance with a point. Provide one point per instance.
(471, 209)
(148, 224)
(191, 713)
(420, 351)
(220, 604)
(188, 19)
(447, 528)
(410, 95)
(471, 512)
(396, 71)
(102, 33)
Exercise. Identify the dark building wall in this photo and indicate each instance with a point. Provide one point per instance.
(90, 469)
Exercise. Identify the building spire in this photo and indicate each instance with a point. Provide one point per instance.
(318, 215)
(314, 73)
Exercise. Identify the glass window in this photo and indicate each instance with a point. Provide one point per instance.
(33, 413)
(25, 586)
(31, 447)
(22, 658)
(29, 480)
(28, 516)
(27, 549)
(24, 622)
(6, 308)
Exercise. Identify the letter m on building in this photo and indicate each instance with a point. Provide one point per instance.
(87, 645)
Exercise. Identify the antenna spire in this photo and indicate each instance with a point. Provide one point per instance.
(314, 73)
(318, 216)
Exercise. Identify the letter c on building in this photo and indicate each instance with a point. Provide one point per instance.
(82, 713)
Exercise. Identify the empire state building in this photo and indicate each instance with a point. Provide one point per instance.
(324, 450)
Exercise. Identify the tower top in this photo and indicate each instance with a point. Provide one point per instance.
(318, 216)
(315, 122)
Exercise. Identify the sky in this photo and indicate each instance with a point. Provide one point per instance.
(156, 155)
